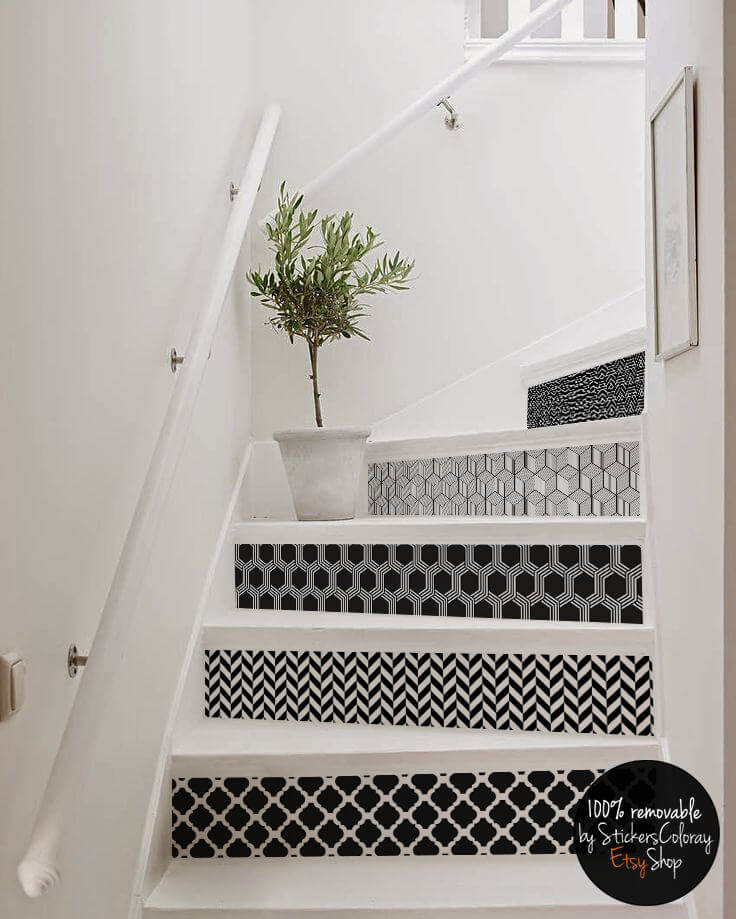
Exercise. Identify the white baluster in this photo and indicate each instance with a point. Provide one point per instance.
(573, 21)
(519, 11)
(627, 25)
(473, 19)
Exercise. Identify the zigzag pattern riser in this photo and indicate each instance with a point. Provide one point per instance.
(468, 813)
(600, 480)
(587, 694)
(541, 582)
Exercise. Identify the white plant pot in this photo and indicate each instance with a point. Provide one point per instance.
(323, 466)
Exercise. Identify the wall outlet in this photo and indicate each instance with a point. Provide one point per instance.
(12, 684)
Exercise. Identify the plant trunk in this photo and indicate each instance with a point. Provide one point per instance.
(313, 349)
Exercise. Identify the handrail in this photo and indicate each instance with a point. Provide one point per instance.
(436, 94)
(38, 871)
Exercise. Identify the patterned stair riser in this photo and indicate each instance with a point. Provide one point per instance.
(546, 583)
(589, 694)
(601, 480)
(477, 813)
(611, 390)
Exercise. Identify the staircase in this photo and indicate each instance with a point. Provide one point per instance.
(439, 680)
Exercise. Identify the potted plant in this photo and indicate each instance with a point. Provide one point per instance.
(317, 291)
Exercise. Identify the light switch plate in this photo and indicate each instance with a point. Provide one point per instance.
(12, 684)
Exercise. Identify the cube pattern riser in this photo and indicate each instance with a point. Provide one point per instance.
(539, 582)
(600, 480)
(568, 693)
(462, 813)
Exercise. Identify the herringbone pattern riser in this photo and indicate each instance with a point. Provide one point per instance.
(587, 694)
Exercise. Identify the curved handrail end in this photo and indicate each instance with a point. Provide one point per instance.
(36, 878)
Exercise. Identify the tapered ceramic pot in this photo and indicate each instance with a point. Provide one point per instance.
(323, 466)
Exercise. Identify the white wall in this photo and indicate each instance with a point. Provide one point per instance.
(494, 397)
(523, 221)
(686, 405)
(120, 127)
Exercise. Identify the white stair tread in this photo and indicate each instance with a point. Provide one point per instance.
(593, 355)
(471, 530)
(218, 745)
(360, 886)
(287, 629)
(608, 430)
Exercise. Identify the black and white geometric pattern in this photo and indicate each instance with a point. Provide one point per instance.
(546, 583)
(601, 480)
(612, 390)
(462, 813)
(586, 693)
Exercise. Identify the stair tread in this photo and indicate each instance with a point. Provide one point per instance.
(248, 619)
(608, 430)
(542, 530)
(304, 630)
(309, 884)
(218, 737)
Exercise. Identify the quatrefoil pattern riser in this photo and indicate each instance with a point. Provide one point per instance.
(600, 480)
(587, 694)
(540, 582)
(611, 390)
(464, 813)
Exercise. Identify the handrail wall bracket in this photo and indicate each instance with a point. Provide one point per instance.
(75, 660)
(452, 118)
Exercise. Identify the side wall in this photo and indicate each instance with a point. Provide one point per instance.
(729, 61)
(121, 125)
(523, 221)
(685, 398)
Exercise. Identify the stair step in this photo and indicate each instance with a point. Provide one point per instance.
(468, 575)
(427, 812)
(463, 887)
(611, 390)
(578, 693)
(223, 747)
(446, 530)
(576, 471)
(597, 354)
(607, 431)
(304, 630)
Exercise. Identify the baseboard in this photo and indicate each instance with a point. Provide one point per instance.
(159, 791)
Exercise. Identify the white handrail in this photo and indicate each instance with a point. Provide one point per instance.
(437, 93)
(39, 871)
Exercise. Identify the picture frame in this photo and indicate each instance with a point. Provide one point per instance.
(673, 226)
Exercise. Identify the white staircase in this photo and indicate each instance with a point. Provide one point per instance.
(400, 714)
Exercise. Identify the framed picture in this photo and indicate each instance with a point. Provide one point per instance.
(674, 253)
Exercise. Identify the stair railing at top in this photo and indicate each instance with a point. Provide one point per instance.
(438, 93)
(39, 871)
(619, 17)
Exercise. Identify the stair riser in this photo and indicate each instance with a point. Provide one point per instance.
(424, 814)
(598, 480)
(441, 912)
(611, 390)
(570, 583)
(557, 693)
